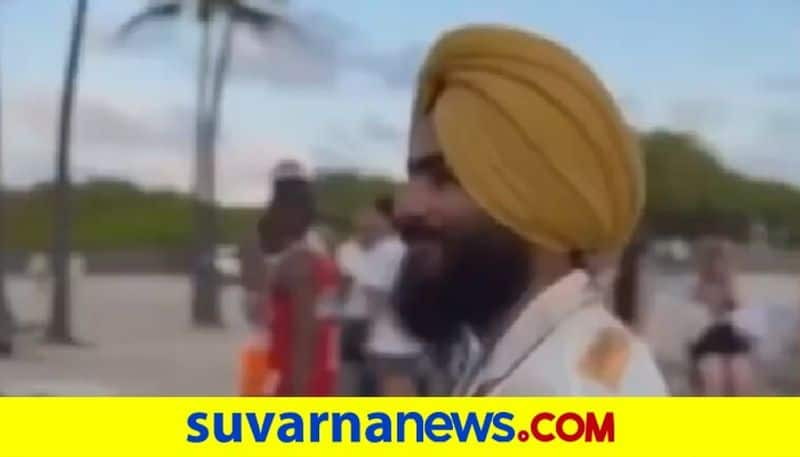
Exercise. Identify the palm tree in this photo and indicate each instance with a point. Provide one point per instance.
(59, 329)
(211, 74)
(6, 318)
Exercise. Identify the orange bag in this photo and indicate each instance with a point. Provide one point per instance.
(257, 375)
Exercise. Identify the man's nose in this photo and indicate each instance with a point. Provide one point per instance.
(411, 201)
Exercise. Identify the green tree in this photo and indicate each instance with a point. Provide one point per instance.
(691, 193)
(340, 195)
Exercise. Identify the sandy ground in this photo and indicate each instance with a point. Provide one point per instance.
(139, 341)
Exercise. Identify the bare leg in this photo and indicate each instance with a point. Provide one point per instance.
(398, 385)
(695, 382)
(741, 371)
(712, 375)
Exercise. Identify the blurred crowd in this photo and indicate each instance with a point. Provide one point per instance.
(335, 294)
(507, 265)
(324, 323)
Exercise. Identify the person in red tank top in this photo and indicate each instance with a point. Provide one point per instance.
(304, 340)
(300, 323)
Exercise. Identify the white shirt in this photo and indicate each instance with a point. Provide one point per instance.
(311, 240)
(381, 264)
(565, 343)
(349, 257)
(380, 267)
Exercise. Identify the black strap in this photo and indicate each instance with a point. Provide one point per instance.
(577, 260)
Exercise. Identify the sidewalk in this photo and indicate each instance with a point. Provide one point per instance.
(139, 342)
(674, 322)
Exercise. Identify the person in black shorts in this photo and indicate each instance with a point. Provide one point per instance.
(720, 357)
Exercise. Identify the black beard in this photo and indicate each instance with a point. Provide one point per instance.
(482, 276)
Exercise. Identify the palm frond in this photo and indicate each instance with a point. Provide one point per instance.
(252, 16)
(161, 11)
(264, 21)
(261, 20)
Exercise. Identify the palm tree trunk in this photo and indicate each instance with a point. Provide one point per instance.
(205, 300)
(59, 329)
(220, 74)
(6, 318)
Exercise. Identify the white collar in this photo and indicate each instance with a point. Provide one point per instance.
(536, 320)
(311, 240)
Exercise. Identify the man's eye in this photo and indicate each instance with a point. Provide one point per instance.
(433, 170)
(441, 178)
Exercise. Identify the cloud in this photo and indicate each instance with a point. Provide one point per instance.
(334, 156)
(783, 124)
(397, 68)
(102, 122)
(110, 136)
(338, 146)
(784, 84)
(773, 151)
(280, 57)
(329, 28)
(768, 160)
(142, 141)
(161, 171)
(632, 107)
(244, 173)
(372, 146)
(145, 144)
(380, 131)
(697, 114)
(243, 169)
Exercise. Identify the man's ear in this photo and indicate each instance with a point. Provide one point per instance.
(263, 234)
(267, 234)
(577, 260)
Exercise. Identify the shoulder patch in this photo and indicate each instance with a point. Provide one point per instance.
(606, 358)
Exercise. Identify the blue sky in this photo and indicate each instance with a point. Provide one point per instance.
(729, 70)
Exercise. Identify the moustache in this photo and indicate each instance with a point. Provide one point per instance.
(417, 232)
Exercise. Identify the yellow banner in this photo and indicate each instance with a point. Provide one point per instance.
(232, 427)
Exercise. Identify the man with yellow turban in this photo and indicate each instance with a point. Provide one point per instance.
(522, 173)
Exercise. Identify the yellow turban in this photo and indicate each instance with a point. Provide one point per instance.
(534, 138)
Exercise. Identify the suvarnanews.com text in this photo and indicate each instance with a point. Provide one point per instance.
(379, 427)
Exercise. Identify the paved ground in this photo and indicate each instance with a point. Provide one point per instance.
(141, 343)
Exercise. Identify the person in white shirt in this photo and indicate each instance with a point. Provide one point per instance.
(356, 379)
(522, 172)
(395, 354)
